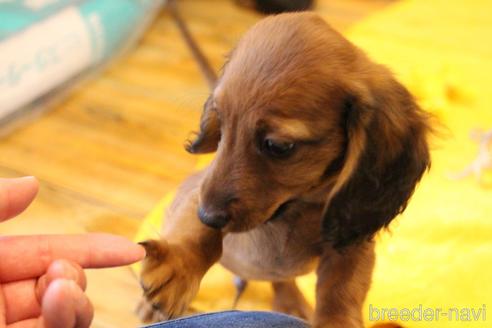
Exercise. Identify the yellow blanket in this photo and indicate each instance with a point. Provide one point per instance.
(435, 267)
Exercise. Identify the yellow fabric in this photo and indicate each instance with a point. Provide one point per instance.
(439, 252)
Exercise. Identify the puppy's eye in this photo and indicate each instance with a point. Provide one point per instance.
(278, 149)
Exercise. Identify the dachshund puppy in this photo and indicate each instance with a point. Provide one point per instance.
(317, 148)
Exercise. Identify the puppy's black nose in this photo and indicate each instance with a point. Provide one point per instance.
(213, 219)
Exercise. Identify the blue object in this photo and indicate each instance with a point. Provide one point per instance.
(19, 14)
(235, 319)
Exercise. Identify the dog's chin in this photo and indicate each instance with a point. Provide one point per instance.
(237, 227)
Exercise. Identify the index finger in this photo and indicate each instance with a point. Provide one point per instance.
(25, 257)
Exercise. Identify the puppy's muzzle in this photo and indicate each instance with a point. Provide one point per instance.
(215, 219)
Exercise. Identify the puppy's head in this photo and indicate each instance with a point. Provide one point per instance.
(301, 113)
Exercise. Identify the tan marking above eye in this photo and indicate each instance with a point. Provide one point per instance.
(292, 129)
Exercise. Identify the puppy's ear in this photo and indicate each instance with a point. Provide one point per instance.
(208, 137)
(386, 155)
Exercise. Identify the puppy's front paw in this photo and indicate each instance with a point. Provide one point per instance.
(170, 279)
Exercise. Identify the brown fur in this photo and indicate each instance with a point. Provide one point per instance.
(360, 149)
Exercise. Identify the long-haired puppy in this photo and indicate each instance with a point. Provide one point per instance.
(317, 148)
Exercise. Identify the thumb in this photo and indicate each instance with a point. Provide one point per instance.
(16, 195)
(65, 305)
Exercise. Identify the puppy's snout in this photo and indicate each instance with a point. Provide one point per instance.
(216, 219)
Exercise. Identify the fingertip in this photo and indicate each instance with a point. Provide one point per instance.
(141, 253)
(58, 305)
(58, 290)
(111, 250)
(29, 179)
(134, 252)
(29, 184)
(65, 305)
(16, 194)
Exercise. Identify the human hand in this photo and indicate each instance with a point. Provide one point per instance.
(42, 281)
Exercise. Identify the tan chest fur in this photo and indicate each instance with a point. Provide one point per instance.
(278, 250)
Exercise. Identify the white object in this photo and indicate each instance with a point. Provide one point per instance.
(42, 57)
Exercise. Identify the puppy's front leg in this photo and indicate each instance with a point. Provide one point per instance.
(343, 282)
(175, 265)
(290, 300)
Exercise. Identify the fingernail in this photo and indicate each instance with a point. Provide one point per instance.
(57, 266)
(63, 270)
(66, 284)
(26, 178)
(61, 285)
(19, 179)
